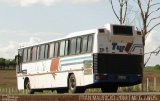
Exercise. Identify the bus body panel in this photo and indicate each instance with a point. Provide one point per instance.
(114, 58)
(20, 82)
(42, 77)
(119, 59)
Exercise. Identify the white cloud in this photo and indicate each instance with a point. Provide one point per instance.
(26, 3)
(32, 40)
(13, 39)
(152, 43)
(9, 51)
(8, 31)
(22, 33)
(85, 1)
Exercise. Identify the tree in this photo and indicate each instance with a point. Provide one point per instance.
(150, 15)
(155, 52)
(149, 21)
(12, 62)
(123, 7)
(147, 10)
(2, 63)
(157, 67)
(6, 63)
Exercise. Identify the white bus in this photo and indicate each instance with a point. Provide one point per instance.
(106, 58)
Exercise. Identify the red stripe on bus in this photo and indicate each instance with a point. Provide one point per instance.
(128, 47)
(54, 66)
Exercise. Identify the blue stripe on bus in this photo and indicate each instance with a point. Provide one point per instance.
(66, 64)
(136, 46)
(89, 57)
(71, 61)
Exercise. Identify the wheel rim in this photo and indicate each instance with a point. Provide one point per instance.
(28, 86)
(72, 84)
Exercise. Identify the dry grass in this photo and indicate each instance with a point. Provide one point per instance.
(151, 75)
(8, 79)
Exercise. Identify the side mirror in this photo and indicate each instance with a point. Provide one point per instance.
(17, 59)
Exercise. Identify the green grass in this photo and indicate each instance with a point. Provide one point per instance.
(150, 69)
(155, 68)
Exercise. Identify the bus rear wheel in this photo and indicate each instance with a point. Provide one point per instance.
(72, 87)
(72, 84)
(28, 87)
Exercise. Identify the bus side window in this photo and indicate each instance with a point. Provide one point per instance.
(42, 49)
(20, 53)
(78, 48)
(90, 43)
(25, 55)
(34, 52)
(73, 46)
(51, 50)
(46, 51)
(38, 52)
(66, 48)
(29, 54)
(56, 49)
(84, 44)
(62, 48)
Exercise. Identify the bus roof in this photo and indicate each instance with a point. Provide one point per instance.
(74, 34)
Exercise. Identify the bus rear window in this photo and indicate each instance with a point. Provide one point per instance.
(122, 30)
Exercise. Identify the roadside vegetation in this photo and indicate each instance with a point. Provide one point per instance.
(155, 68)
(7, 63)
(8, 82)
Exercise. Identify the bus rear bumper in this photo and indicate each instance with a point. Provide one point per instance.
(120, 80)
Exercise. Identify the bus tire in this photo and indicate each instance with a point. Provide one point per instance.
(111, 88)
(28, 87)
(72, 84)
(72, 87)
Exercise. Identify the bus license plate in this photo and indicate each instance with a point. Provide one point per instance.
(121, 77)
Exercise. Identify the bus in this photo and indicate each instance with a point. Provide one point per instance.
(108, 57)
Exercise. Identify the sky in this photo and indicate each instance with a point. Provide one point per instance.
(31, 21)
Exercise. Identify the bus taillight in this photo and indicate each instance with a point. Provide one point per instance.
(100, 76)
